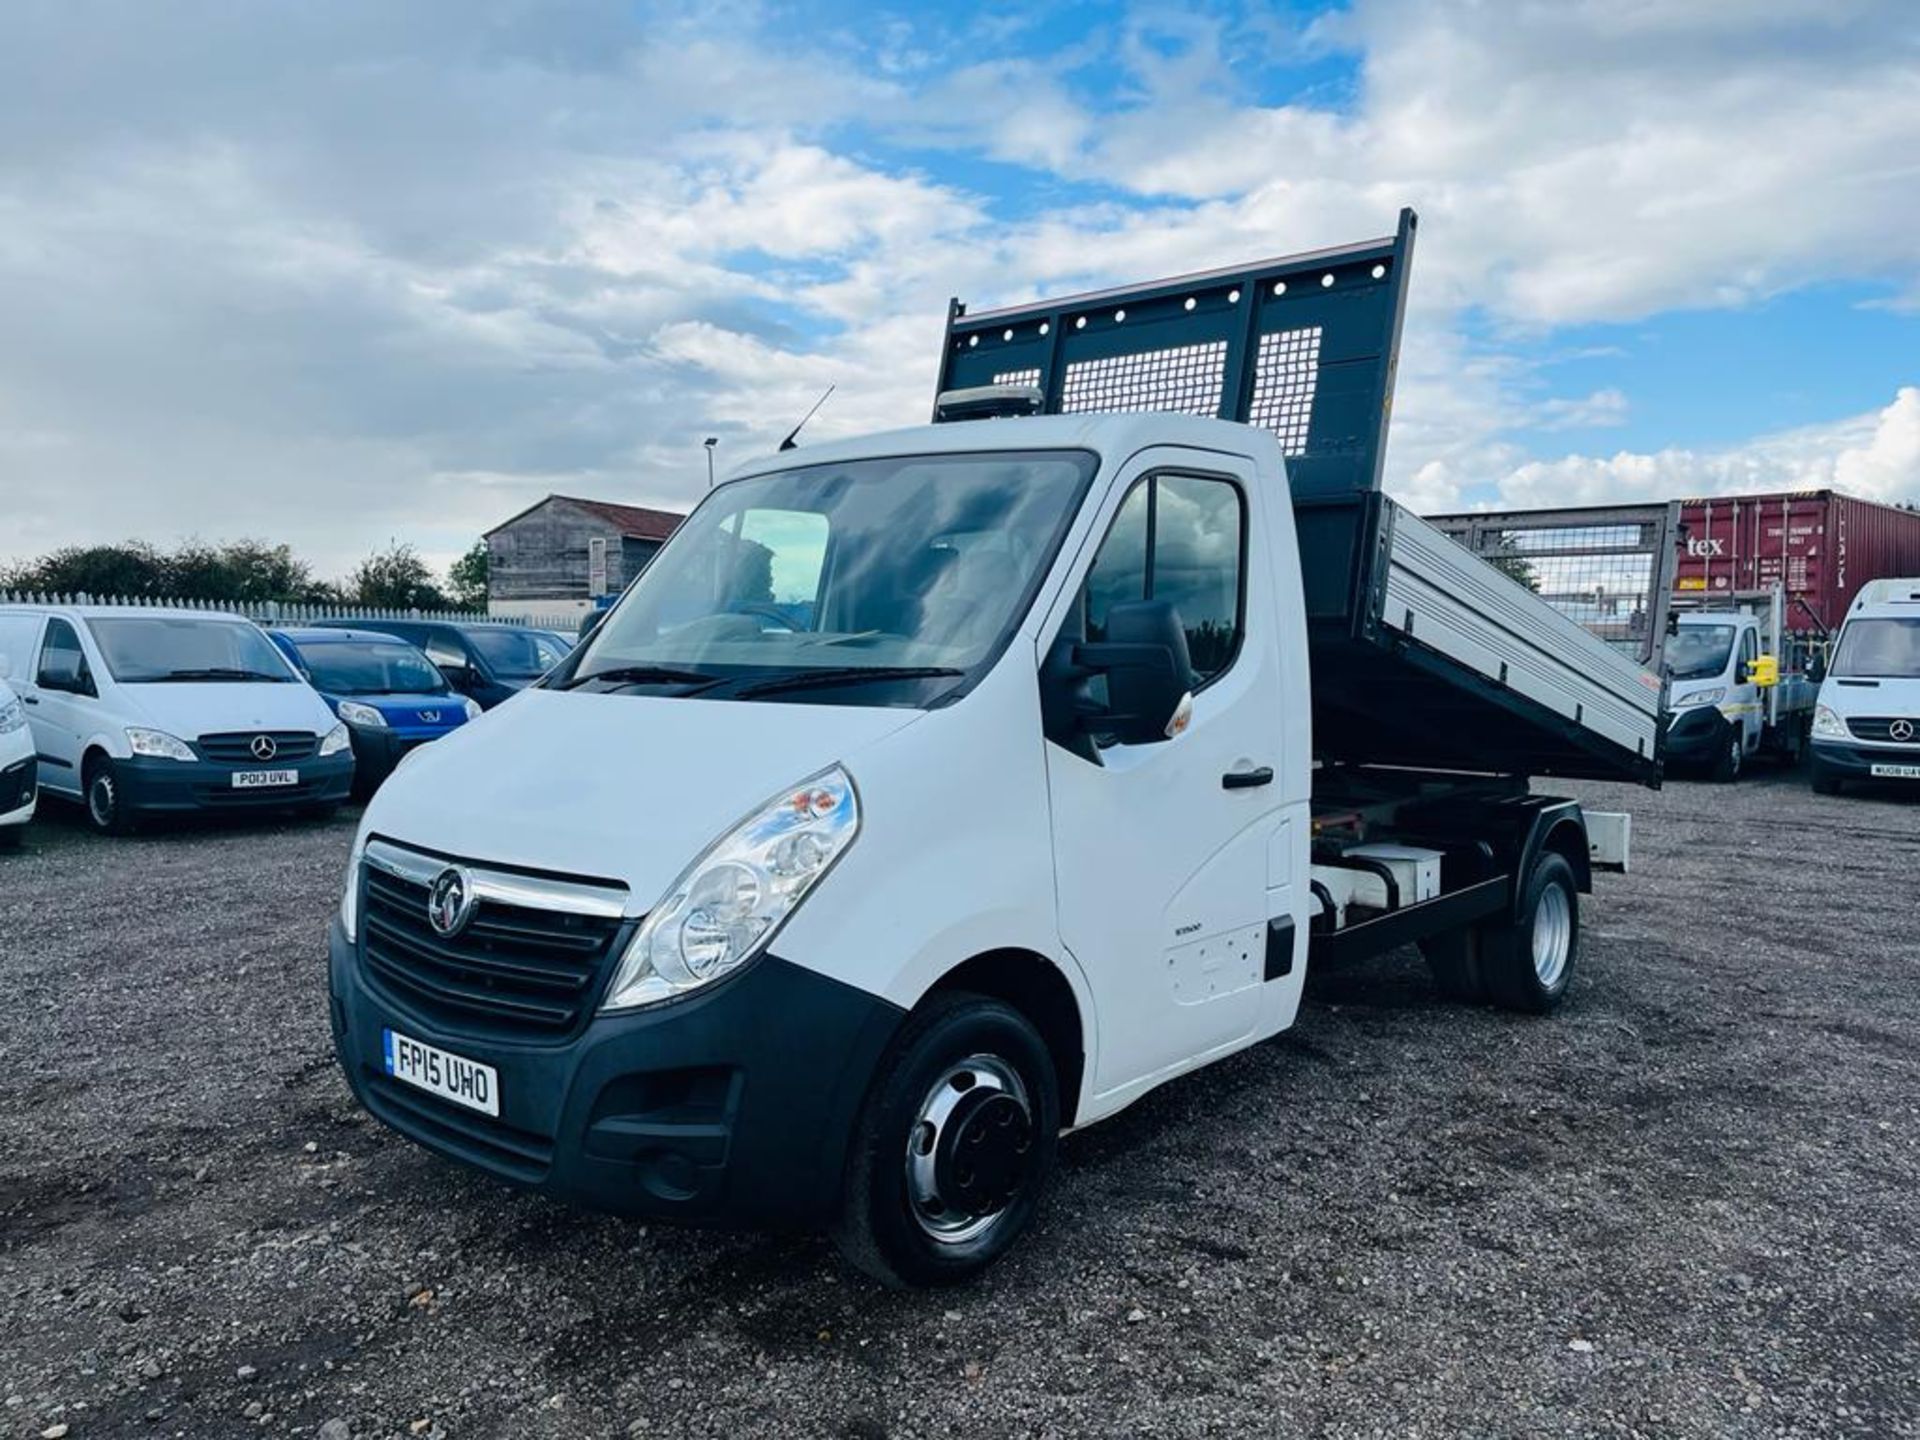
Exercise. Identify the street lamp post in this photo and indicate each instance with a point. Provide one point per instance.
(710, 442)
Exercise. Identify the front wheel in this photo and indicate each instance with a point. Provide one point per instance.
(1733, 758)
(107, 810)
(1825, 780)
(954, 1145)
(1528, 962)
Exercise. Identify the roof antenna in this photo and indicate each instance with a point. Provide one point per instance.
(788, 443)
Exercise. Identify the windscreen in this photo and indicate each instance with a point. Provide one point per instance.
(517, 654)
(371, 667)
(1699, 652)
(869, 570)
(154, 649)
(1879, 649)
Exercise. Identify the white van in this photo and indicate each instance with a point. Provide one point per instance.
(1866, 725)
(17, 785)
(137, 712)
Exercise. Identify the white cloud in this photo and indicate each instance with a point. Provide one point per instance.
(335, 274)
(1874, 456)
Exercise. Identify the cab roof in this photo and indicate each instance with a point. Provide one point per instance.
(1115, 438)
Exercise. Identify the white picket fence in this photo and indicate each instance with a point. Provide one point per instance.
(279, 612)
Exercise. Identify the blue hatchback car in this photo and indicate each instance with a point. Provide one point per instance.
(392, 698)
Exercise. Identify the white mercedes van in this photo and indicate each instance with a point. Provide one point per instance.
(1866, 725)
(138, 712)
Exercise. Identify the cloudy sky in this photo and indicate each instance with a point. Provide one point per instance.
(336, 273)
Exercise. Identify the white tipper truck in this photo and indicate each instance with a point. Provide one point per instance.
(937, 792)
(1739, 685)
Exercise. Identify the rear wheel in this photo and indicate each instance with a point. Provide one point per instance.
(107, 810)
(954, 1145)
(1528, 962)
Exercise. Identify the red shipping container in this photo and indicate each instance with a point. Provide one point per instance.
(1823, 545)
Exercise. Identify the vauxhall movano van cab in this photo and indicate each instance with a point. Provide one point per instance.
(139, 712)
(1866, 725)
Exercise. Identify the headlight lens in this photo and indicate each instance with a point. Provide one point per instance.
(13, 716)
(1702, 697)
(473, 709)
(350, 895)
(158, 745)
(354, 713)
(335, 740)
(727, 905)
(1827, 724)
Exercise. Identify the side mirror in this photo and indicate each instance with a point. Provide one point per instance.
(460, 677)
(1816, 667)
(1149, 673)
(1764, 672)
(591, 623)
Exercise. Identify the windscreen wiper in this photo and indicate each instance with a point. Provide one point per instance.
(215, 672)
(645, 675)
(846, 675)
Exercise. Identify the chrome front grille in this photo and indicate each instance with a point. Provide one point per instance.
(528, 961)
(1879, 729)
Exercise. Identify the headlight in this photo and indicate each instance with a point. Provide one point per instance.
(158, 745)
(335, 740)
(1702, 697)
(727, 905)
(1828, 725)
(354, 713)
(474, 712)
(13, 716)
(350, 896)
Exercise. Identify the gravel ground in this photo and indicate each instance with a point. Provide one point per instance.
(1685, 1206)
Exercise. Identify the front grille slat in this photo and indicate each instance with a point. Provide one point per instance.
(565, 979)
(236, 748)
(514, 971)
(1879, 728)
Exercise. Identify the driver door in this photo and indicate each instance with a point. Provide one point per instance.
(1161, 850)
(61, 719)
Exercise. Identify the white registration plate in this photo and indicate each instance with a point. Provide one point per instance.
(264, 779)
(1896, 772)
(451, 1077)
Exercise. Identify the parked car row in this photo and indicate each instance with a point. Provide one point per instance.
(133, 713)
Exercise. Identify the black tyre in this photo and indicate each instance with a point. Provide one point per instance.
(1528, 962)
(1454, 959)
(1732, 758)
(11, 836)
(106, 803)
(954, 1145)
(1825, 781)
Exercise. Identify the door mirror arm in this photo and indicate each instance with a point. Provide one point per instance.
(1149, 680)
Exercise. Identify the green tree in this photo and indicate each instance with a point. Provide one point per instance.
(240, 570)
(395, 578)
(133, 569)
(467, 578)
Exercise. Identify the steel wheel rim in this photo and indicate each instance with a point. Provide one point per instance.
(1552, 935)
(1735, 757)
(937, 1214)
(101, 790)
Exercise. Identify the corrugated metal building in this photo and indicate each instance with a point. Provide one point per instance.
(563, 553)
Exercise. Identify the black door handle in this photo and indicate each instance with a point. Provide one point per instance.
(29, 699)
(1247, 779)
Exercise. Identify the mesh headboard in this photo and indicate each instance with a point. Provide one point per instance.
(1304, 346)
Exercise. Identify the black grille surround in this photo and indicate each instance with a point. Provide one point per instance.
(1879, 729)
(236, 748)
(513, 972)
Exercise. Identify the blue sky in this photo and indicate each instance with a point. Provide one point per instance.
(342, 274)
